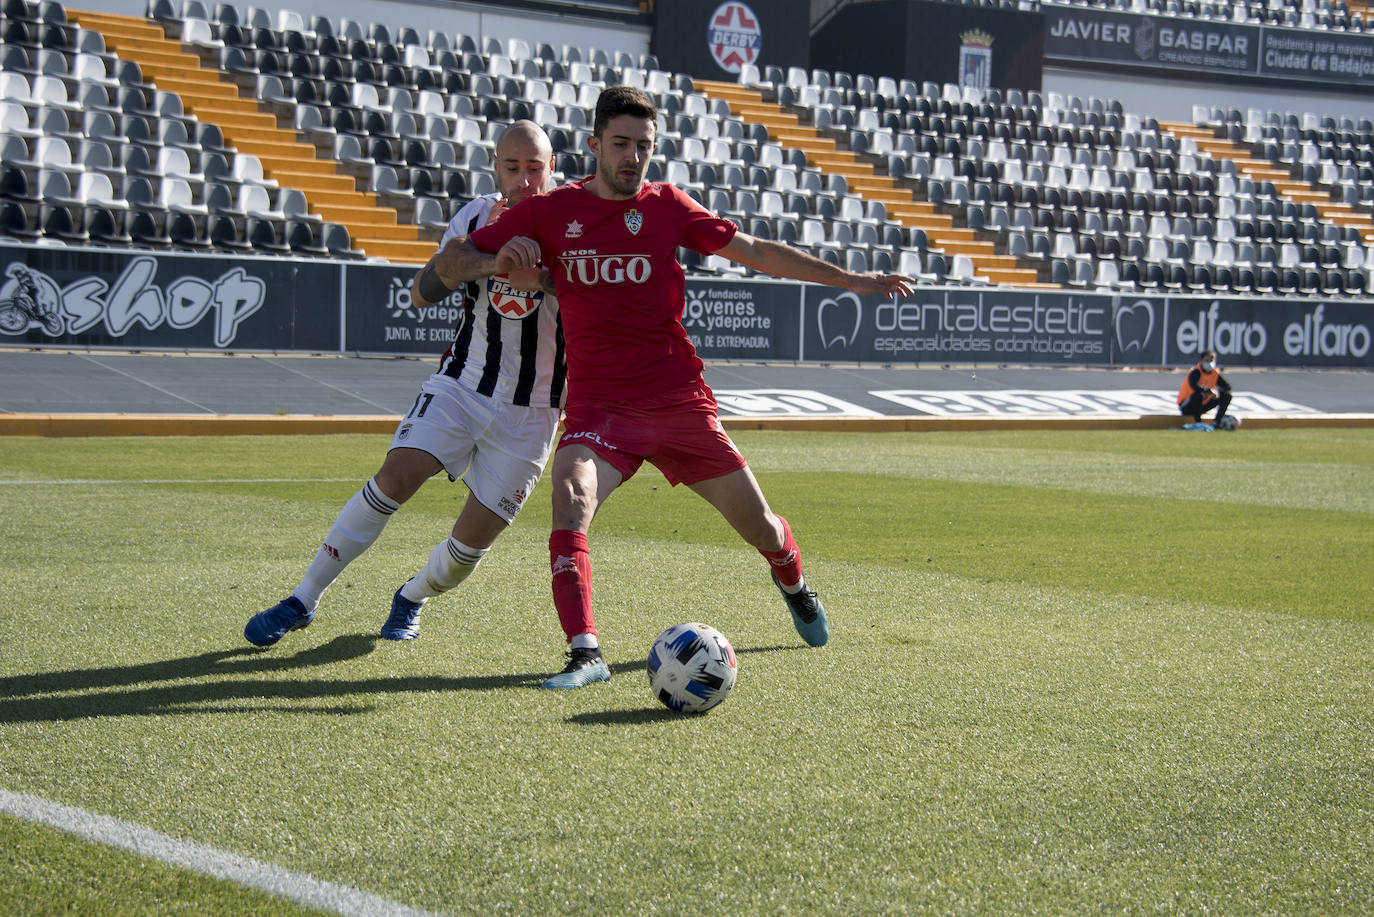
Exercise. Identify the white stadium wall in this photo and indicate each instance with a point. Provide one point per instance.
(1174, 99)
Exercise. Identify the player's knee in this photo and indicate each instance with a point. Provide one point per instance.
(574, 514)
(393, 486)
(763, 532)
(574, 505)
(403, 472)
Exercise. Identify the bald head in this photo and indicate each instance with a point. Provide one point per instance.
(524, 161)
(522, 134)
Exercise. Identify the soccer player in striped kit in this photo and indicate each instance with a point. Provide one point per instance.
(488, 416)
(635, 386)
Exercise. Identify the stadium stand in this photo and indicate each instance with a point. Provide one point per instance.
(1301, 14)
(214, 128)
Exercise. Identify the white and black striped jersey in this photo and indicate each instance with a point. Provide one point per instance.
(508, 344)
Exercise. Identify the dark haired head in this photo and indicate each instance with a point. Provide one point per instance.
(615, 101)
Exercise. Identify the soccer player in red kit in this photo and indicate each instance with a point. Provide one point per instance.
(635, 386)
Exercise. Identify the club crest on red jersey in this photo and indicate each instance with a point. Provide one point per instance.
(634, 221)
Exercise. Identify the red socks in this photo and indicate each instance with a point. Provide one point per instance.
(571, 566)
(786, 561)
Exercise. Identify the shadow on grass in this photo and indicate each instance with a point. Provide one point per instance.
(656, 713)
(238, 661)
(622, 668)
(626, 717)
(788, 648)
(213, 683)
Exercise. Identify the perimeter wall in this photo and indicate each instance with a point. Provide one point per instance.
(102, 298)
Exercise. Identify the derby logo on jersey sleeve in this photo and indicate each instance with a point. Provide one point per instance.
(510, 302)
(506, 299)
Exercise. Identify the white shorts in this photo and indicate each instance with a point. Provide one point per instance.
(499, 450)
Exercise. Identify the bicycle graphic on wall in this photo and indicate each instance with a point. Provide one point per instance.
(24, 306)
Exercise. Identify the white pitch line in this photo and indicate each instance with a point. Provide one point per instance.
(220, 864)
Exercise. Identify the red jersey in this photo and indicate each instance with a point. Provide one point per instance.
(621, 290)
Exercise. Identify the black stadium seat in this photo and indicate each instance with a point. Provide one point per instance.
(301, 239)
(14, 223)
(226, 234)
(144, 230)
(105, 227)
(186, 232)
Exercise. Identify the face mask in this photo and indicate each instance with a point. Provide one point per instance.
(1208, 367)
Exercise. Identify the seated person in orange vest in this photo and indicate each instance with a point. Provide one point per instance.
(1203, 389)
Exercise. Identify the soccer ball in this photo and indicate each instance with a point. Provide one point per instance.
(1229, 422)
(692, 668)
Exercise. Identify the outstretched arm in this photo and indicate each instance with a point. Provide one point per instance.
(779, 260)
(460, 261)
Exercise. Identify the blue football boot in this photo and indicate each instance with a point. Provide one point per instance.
(267, 627)
(404, 621)
(808, 615)
(585, 666)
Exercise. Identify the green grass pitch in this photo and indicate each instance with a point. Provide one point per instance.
(1070, 672)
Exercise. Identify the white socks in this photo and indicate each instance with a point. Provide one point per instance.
(449, 564)
(584, 641)
(359, 523)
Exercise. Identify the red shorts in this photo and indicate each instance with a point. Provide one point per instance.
(678, 432)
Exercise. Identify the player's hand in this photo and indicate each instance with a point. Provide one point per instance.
(519, 253)
(530, 279)
(893, 285)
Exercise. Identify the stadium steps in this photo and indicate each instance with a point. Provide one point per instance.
(1293, 189)
(862, 180)
(286, 159)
